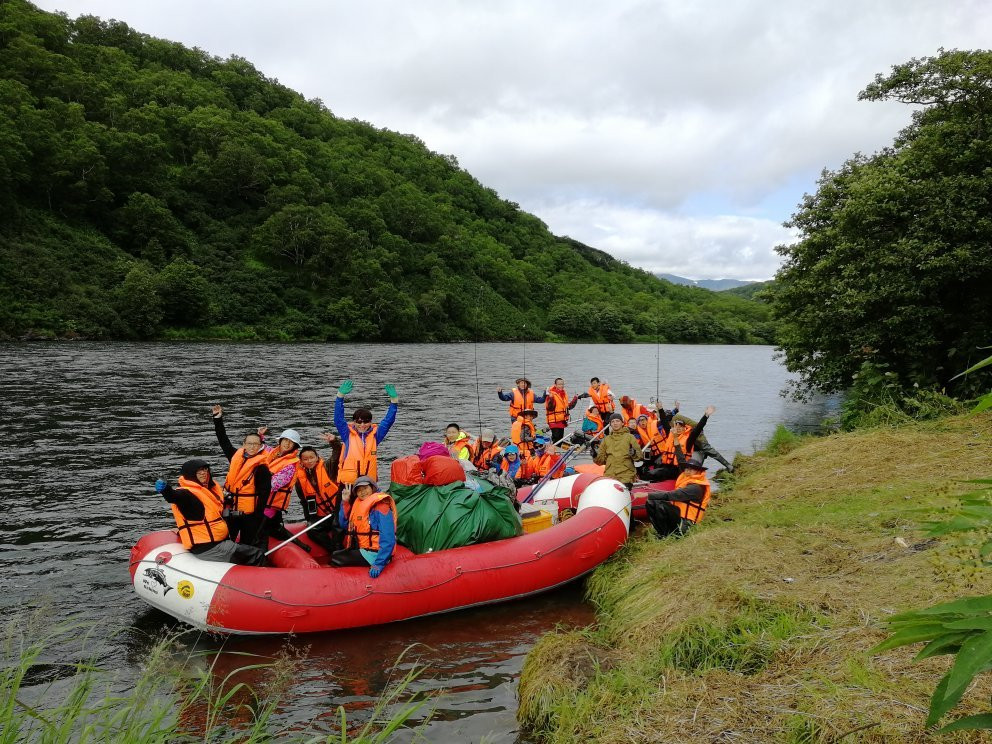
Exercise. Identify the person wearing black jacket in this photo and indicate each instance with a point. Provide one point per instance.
(247, 522)
(203, 530)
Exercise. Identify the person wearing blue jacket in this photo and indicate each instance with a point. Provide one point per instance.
(371, 534)
(361, 438)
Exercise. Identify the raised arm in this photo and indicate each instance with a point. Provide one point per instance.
(698, 428)
(222, 438)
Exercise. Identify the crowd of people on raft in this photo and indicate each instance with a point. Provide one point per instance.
(356, 522)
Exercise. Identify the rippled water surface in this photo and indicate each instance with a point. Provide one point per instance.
(88, 427)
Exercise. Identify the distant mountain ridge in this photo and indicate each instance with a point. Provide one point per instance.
(715, 285)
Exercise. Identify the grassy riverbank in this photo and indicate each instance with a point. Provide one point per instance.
(757, 627)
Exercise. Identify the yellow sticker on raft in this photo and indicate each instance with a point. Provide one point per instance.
(185, 589)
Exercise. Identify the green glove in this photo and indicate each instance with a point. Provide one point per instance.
(346, 387)
(391, 390)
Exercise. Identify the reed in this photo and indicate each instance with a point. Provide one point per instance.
(176, 697)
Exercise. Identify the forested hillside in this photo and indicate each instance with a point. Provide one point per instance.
(149, 190)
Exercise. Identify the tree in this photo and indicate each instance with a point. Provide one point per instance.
(892, 267)
(185, 294)
(138, 303)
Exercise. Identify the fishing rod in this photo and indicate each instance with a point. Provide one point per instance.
(525, 349)
(657, 353)
(570, 454)
(478, 395)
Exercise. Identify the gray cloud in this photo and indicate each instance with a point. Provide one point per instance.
(618, 123)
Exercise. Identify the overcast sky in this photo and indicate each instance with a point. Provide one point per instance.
(675, 135)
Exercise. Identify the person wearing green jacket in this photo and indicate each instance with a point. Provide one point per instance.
(618, 451)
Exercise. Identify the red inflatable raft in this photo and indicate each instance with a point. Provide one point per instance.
(566, 492)
(311, 597)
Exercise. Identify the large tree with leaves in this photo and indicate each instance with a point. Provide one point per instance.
(893, 268)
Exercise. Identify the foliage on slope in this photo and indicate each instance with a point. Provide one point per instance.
(152, 190)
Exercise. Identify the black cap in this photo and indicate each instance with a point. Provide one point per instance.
(362, 415)
(189, 468)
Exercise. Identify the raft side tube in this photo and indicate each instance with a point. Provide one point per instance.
(175, 581)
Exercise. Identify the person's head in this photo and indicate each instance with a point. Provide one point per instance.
(626, 401)
(559, 383)
(196, 470)
(309, 458)
(252, 443)
(529, 414)
(632, 424)
(695, 465)
(523, 383)
(678, 426)
(616, 422)
(289, 440)
(512, 452)
(488, 435)
(451, 432)
(363, 487)
(362, 418)
(540, 445)
(594, 382)
(593, 411)
(642, 420)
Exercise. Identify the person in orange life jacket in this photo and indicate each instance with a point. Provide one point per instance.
(523, 432)
(665, 466)
(371, 534)
(282, 461)
(544, 460)
(630, 408)
(248, 481)
(674, 512)
(320, 494)
(458, 442)
(521, 397)
(361, 438)
(197, 506)
(511, 465)
(556, 408)
(486, 450)
(602, 396)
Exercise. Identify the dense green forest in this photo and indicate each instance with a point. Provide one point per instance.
(149, 190)
(890, 286)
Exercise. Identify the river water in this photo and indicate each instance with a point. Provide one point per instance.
(87, 428)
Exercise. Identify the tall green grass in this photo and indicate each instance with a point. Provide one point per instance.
(176, 698)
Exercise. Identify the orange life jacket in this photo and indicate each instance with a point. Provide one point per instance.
(521, 401)
(483, 454)
(360, 532)
(240, 481)
(597, 419)
(516, 436)
(652, 436)
(212, 528)
(321, 494)
(360, 458)
(558, 417)
(601, 398)
(279, 497)
(541, 466)
(459, 445)
(693, 510)
(668, 448)
(632, 411)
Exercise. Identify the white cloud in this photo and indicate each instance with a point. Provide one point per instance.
(711, 117)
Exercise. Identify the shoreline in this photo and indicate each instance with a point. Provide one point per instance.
(757, 626)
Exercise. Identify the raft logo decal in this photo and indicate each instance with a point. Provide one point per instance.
(185, 589)
(155, 576)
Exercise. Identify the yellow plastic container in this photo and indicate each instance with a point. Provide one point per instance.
(536, 521)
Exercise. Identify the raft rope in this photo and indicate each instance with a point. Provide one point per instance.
(458, 573)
